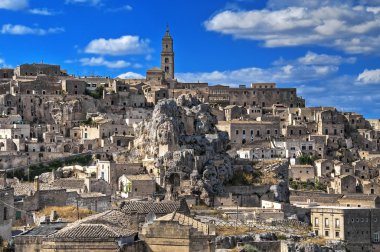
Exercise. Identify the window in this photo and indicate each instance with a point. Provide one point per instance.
(5, 216)
(326, 233)
(337, 234)
(326, 222)
(376, 237)
(237, 132)
(337, 223)
(316, 232)
(243, 132)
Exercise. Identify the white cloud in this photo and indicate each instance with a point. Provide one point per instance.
(100, 61)
(42, 12)
(3, 64)
(312, 58)
(369, 77)
(283, 74)
(339, 24)
(25, 30)
(122, 8)
(310, 67)
(14, 4)
(125, 45)
(131, 75)
(89, 2)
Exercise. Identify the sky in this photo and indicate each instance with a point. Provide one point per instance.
(328, 49)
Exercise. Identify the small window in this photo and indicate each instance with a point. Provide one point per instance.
(326, 233)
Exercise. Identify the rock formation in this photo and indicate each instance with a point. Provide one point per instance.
(183, 139)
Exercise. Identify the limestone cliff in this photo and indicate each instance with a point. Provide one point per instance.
(182, 138)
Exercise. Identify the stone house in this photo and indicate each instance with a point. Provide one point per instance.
(304, 173)
(74, 87)
(341, 169)
(110, 171)
(31, 240)
(137, 186)
(232, 112)
(359, 228)
(365, 170)
(7, 213)
(323, 167)
(295, 147)
(108, 231)
(253, 112)
(243, 132)
(141, 211)
(330, 122)
(359, 200)
(296, 131)
(260, 94)
(371, 186)
(344, 184)
(38, 69)
(178, 232)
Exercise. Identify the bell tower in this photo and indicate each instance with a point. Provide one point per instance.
(167, 55)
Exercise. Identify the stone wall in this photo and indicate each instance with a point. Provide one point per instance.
(6, 212)
(170, 236)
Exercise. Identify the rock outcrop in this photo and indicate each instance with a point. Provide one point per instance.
(182, 138)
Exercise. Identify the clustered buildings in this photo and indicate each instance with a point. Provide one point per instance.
(48, 115)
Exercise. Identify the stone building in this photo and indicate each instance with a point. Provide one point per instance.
(359, 228)
(244, 132)
(135, 186)
(304, 173)
(140, 211)
(167, 55)
(74, 87)
(38, 69)
(178, 232)
(31, 240)
(324, 167)
(344, 184)
(260, 94)
(7, 209)
(330, 122)
(365, 170)
(295, 147)
(108, 231)
(341, 169)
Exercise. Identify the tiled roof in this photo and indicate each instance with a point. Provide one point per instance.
(359, 196)
(22, 189)
(45, 229)
(109, 224)
(163, 207)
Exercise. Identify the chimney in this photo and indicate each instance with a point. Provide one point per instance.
(36, 184)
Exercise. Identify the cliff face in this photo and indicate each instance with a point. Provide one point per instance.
(182, 138)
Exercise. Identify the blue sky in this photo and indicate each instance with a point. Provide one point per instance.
(328, 49)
